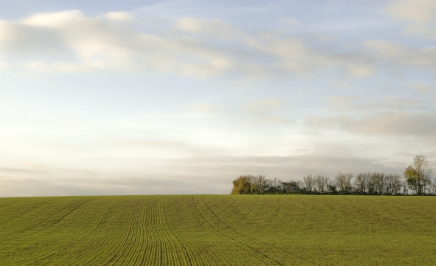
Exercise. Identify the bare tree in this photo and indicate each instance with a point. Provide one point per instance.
(291, 186)
(343, 183)
(321, 183)
(261, 184)
(361, 182)
(392, 184)
(331, 186)
(378, 183)
(309, 182)
(405, 188)
(432, 187)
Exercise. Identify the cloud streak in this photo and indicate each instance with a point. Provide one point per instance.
(388, 123)
(208, 174)
(69, 41)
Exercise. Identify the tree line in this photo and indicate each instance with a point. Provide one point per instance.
(416, 179)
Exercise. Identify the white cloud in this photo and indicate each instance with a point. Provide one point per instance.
(298, 57)
(85, 43)
(119, 16)
(209, 27)
(70, 41)
(54, 20)
(76, 42)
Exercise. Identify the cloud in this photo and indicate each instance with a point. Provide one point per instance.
(399, 55)
(119, 16)
(168, 148)
(361, 70)
(421, 14)
(65, 182)
(19, 171)
(422, 11)
(424, 87)
(420, 124)
(207, 27)
(397, 123)
(341, 122)
(18, 39)
(120, 185)
(356, 103)
(396, 104)
(424, 31)
(54, 20)
(388, 49)
(267, 111)
(284, 167)
(70, 41)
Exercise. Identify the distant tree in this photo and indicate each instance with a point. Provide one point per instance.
(259, 184)
(343, 183)
(432, 188)
(291, 187)
(405, 188)
(393, 184)
(331, 187)
(309, 182)
(418, 174)
(321, 183)
(378, 183)
(361, 183)
(242, 185)
(371, 184)
(277, 185)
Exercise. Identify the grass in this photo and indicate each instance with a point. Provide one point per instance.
(218, 230)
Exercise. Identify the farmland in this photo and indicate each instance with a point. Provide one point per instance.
(218, 230)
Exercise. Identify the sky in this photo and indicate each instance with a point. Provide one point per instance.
(181, 97)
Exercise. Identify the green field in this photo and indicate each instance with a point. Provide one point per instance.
(218, 230)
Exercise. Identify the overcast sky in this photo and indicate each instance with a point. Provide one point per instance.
(181, 97)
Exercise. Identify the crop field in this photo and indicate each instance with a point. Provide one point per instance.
(218, 230)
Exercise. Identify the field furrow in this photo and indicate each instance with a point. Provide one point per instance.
(282, 255)
(218, 230)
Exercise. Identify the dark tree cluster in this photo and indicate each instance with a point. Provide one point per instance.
(416, 180)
